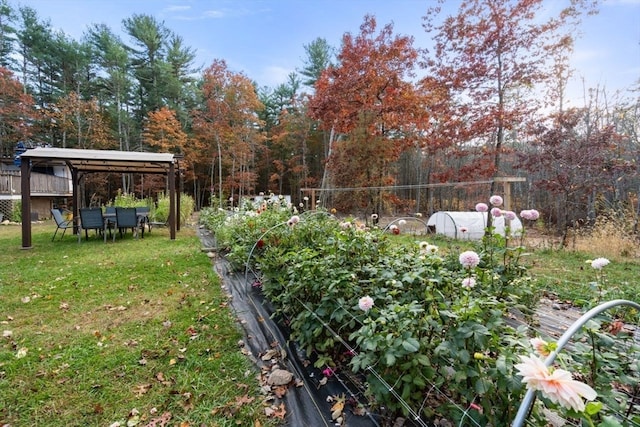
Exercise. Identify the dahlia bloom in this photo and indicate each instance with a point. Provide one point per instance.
(530, 214)
(482, 207)
(496, 212)
(599, 263)
(468, 282)
(541, 347)
(496, 200)
(365, 303)
(509, 215)
(557, 385)
(469, 259)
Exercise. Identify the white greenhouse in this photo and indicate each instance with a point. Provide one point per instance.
(469, 225)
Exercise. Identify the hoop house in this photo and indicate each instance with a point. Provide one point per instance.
(469, 225)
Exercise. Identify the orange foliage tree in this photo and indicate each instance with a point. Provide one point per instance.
(373, 110)
(80, 122)
(16, 112)
(227, 128)
(162, 131)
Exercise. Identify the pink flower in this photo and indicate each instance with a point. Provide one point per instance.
(541, 347)
(510, 215)
(328, 372)
(295, 219)
(469, 259)
(496, 212)
(468, 282)
(530, 214)
(482, 207)
(496, 200)
(463, 229)
(557, 385)
(365, 303)
(599, 263)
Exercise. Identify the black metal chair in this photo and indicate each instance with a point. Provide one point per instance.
(126, 218)
(92, 219)
(61, 223)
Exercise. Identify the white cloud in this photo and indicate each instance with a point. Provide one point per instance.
(176, 8)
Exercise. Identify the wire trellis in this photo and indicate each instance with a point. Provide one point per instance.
(250, 276)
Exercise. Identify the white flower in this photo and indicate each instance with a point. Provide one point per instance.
(365, 303)
(468, 282)
(599, 263)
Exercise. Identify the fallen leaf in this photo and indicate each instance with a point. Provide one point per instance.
(337, 408)
(22, 352)
(242, 400)
(141, 389)
(280, 391)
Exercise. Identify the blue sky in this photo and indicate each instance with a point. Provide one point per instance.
(264, 39)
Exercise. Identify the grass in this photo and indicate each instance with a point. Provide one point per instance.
(133, 332)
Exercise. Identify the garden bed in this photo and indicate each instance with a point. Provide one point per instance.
(425, 332)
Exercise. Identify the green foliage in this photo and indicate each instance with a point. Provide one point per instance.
(159, 211)
(16, 212)
(425, 331)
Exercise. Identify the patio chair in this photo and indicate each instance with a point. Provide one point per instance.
(126, 218)
(143, 217)
(61, 223)
(92, 219)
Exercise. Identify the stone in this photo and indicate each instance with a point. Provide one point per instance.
(279, 377)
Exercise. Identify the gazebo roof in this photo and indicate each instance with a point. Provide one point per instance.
(101, 160)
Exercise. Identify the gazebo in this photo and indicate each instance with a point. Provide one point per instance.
(89, 161)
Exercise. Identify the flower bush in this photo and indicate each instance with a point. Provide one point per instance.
(428, 330)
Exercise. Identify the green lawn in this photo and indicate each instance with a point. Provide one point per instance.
(133, 331)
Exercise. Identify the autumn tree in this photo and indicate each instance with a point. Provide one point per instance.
(16, 113)
(370, 104)
(572, 161)
(81, 122)
(493, 56)
(162, 131)
(227, 126)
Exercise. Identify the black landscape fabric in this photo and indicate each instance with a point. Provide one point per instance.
(307, 402)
